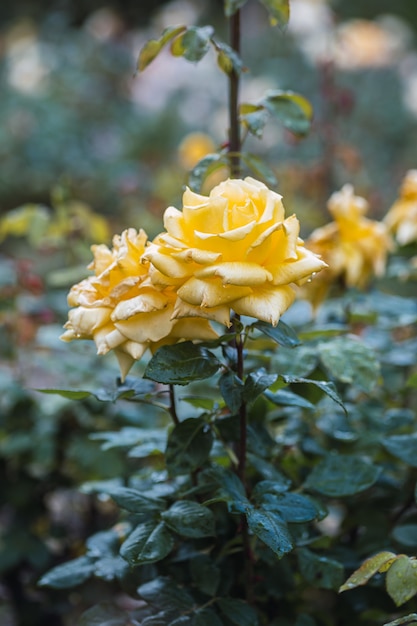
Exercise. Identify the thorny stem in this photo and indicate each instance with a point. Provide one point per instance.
(172, 407)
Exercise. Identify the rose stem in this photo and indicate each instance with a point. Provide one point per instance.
(234, 155)
(172, 408)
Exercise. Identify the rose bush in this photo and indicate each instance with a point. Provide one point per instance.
(231, 250)
(121, 310)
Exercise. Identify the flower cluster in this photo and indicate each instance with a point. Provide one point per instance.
(401, 219)
(354, 247)
(233, 250)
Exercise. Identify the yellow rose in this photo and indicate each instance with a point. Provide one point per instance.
(233, 249)
(354, 247)
(121, 310)
(401, 219)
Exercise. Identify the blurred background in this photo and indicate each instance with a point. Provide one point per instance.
(88, 148)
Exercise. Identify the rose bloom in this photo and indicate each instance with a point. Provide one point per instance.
(233, 249)
(401, 219)
(121, 310)
(354, 247)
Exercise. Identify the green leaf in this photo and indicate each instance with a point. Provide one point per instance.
(279, 11)
(228, 59)
(259, 168)
(207, 617)
(68, 574)
(206, 166)
(104, 614)
(231, 489)
(270, 487)
(147, 543)
(163, 593)
(403, 447)
(270, 528)
(283, 397)
(401, 580)
(205, 574)
(253, 117)
(320, 571)
(193, 44)
(134, 501)
(328, 388)
(181, 364)
(406, 535)
(238, 611)
(292, 507)
(281, 334)
(231, 388)
(154, 46)
(349, 360)
(293, 110)
(256, 383)
(231, 6)
(403, 621)
(190, 519)
(111, 393)
(342, 475)
(189, 446)
(130, 436)
(378, 563)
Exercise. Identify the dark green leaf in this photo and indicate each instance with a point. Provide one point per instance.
(181, 363)
(231, 489)
(238, 611)
(270, 486)
(342, 475)
(68, 574)
(153, 47)
(104, 543)
(256, 383)
(193, 44)
(279, 11)
(270, 528)
(207, 617)
(228, 59)
(104, 614)
(163, 593)
(259, 168)
(328, 388)
(403, 447)
(205, 574)
(254, 118)
(401, 579)
(349, 360)
(129, 436)
(292, 110)
(231, 6)
(111, 568)
(231, 388)
(265, 468)
(406, 535)
(190, 519)
(189, 446)
(283, 397)
(292, 507)
(406, 620)
(206, 166)
(148, 543)
(134, 501)
(320, 571)
(282, 333)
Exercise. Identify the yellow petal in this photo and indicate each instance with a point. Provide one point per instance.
(85, 321)
(202, 257)
(210, 292)
(266, 303)
(145, 327)
(144, 303)
(110, 341)
(125, 363)
(193, 329)
(167, 265)
(246, 274)
(294, 271)
(136, 350)
(220, 314)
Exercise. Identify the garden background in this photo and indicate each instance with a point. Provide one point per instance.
(89, 147)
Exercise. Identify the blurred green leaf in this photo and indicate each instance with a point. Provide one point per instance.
(163, 593)
(231, 6)
(401, 579)
(293, 110)
(134, 501)
(253, 117)
(207, 617)
(406, 535)
(231, 388)
(403, 621)
(205, 574)
(320, 571)
(206, 166)
(193, 44)
(149, 542)
(228, 59)
(68, 574)
(189, 446)
(231, 489)
(349, 360)
(403, 447)
(281, 334)
(342, 475)
(259, 168)
(189, 519)
(328, 388)
(105, 614)
(238, 611)
(181, 364)
(279, 11)
(283, 397)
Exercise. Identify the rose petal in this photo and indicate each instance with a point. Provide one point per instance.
(210, 292)
(145, 327)
(219, 314)
(236, 273)
(266, 304)
(144, 303)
